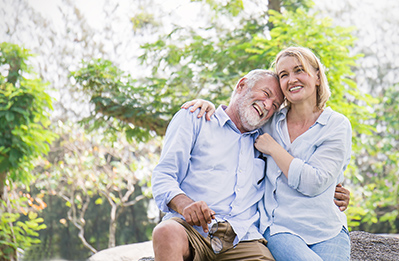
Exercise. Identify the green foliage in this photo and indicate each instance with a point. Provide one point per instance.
(142, 20)
(24, 118)
(229, 7)
(376, 192)
(15, 233)
(292, 5)
(24, 106)
(15, 57)
(139, 108)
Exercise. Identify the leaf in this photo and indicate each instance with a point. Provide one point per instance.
(99, 201)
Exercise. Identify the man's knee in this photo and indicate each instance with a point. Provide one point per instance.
(168, 231)
(170, 241)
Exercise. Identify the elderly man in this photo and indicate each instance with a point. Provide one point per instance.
(211, 171)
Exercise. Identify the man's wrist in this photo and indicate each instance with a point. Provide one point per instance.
(179, 202)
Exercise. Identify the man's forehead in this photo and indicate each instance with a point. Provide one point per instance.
(270, 81)
(275, 91)
(272, 85)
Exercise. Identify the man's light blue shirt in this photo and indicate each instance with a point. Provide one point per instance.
(303, 204)
(213, 162)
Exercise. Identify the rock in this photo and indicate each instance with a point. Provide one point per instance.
(370, 247)
(364, 246)
(131, 252)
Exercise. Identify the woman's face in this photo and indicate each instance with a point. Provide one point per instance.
(297, 85)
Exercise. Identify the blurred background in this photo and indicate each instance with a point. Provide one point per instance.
(88, 88)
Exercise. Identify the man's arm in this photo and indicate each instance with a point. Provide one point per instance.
(342, 197)
(174, 161)
(195, 213)
(172, 168)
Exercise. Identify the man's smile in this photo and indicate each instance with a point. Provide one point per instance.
(258, 109)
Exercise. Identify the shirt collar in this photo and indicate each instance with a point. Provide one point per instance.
(322, 120)
(224, 119)
(324, 116)
(221, 115)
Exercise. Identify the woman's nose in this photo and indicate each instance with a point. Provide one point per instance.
(292, 79)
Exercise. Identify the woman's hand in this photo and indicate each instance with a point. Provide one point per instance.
(265, 144)
(206, 107)
(342, 197)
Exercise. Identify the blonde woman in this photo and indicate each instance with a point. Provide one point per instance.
(308, 148)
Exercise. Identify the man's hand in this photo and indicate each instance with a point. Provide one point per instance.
(341, 197)
(199, 214)
(194, 212)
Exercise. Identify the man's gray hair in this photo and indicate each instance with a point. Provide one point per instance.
(255, 75)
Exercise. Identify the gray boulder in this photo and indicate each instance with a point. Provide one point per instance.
(370, 247)
(364, 246)
(131, 252)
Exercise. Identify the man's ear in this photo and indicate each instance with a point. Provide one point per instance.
(241, 85)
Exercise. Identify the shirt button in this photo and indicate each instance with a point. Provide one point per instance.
(238, 190)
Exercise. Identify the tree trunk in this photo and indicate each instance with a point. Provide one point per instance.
(274, 5)
(79, 222)
(112, 226)
(3, 176)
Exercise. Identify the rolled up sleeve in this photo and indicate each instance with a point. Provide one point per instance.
(173, 164)
(328, 160)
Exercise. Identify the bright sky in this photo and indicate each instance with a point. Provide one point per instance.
(93, 8)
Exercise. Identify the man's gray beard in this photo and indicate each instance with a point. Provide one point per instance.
(249, 120)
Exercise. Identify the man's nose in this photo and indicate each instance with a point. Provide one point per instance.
(267, 103)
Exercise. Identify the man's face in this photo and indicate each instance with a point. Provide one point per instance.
(257, 105)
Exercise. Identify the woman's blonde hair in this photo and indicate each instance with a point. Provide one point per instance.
(307, 58)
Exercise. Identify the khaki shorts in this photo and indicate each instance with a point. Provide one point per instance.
(254, 250)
